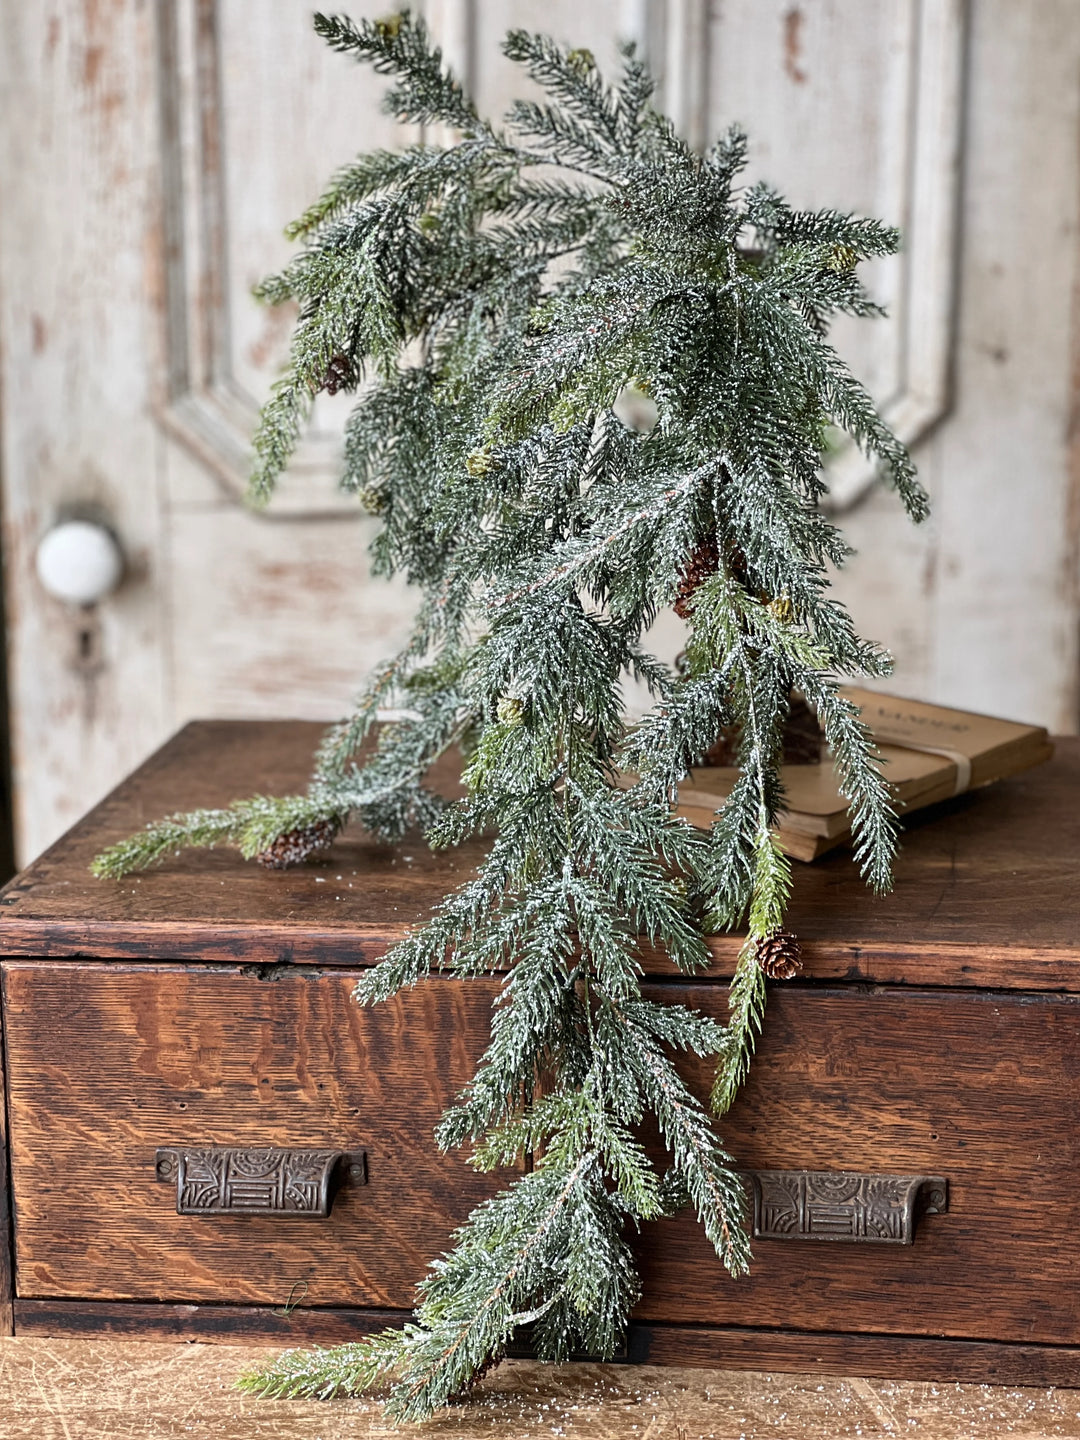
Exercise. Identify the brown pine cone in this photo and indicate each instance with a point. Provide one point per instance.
(294, 846)
(700, 565)
(339, 374)
(778, 955)
(803, 739)
(474, 1379)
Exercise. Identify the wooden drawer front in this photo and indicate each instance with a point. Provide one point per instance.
(983, 1089)
(107, 1063)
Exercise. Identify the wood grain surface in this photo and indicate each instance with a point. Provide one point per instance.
(822, 1353)
(730, 1347)
(108, 1062)
(983, 1089)
(986, 890)
(115, 1390)
(7, 1279)
(220, 1324)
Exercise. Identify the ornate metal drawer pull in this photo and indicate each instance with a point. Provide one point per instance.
(843, 1205)
(258, 1182)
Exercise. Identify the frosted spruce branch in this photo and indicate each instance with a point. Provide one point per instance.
(493, 304)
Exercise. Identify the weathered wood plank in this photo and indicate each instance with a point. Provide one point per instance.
(7, 1278)
(977, 1088)
(149, 1056)
(999, 568)
(324, 626)
(110, 1388)
(220, 1324)
(985, 891)
(899, 1357)
(78, 294)
(127, 315)
(728, 1348)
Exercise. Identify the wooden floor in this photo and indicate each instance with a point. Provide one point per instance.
(120, 1390)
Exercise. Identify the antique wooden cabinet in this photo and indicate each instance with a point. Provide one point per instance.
(172, 1041)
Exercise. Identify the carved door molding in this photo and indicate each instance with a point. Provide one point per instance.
(211, 412)
(204, 406)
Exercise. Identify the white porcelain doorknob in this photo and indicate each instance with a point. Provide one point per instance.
(79, 562)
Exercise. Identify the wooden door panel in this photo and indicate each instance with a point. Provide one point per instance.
(277, 618)
(79, 293)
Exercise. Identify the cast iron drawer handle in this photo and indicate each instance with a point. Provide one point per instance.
(843, 1205)
(258, 1182)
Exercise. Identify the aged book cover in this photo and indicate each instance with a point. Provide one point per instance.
(930, 753)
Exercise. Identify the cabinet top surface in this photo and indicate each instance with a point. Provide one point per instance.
(986, 889)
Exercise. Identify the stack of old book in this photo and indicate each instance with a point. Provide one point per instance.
(930, 753)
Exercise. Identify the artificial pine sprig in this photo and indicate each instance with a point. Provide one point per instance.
(493, 301)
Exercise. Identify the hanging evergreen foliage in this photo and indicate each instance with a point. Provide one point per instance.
(495, 302)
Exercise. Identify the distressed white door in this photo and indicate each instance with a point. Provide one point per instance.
(150, 154)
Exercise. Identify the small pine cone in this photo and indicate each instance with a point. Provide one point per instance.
(842, 258)
(474, 1379)
(725, 748)
(700, 565)
(778, 955)
(510, 710)
(581, 62)
(782, 609)
(294, 847)
(339, 374)
(479, 462)
(373, 499)
(803, 737)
